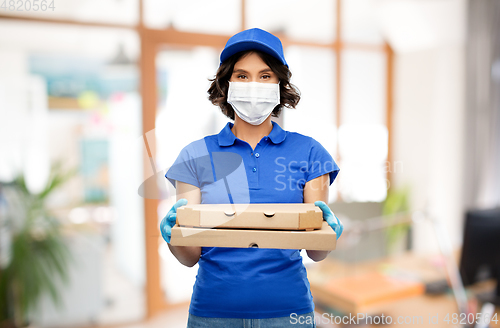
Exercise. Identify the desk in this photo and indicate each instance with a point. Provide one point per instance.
(414, 308)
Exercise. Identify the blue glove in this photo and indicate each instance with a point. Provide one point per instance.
(330, 218)
(169, 220)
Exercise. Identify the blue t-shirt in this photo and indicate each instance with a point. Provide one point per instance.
(251, 282)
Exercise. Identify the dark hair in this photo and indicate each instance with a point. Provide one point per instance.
(289, 94)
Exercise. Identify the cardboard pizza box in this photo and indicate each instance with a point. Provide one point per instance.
(293, 216)
(322, 239)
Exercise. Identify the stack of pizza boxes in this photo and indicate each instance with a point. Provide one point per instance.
(284, 226)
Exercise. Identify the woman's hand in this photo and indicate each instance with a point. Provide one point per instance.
(330, 218)
(169, 220)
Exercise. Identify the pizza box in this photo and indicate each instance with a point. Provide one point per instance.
(290, 216)
(321, 239)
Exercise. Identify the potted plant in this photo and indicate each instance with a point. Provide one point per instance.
(38, 255)
(394, 209)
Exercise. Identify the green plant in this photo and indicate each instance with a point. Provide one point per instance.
(394, 207)
(39, 256)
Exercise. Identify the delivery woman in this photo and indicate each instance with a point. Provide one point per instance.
(252, 160)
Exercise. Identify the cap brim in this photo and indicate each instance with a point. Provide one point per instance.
(249, 45)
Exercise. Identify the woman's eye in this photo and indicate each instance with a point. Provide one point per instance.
(241, 76)
(266, 76)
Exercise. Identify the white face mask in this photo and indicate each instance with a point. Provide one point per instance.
(253, 102)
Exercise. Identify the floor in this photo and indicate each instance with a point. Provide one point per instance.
(175, 318)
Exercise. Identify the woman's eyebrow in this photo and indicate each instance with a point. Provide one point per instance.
(239, 70)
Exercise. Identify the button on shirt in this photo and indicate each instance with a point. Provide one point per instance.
(251, 282)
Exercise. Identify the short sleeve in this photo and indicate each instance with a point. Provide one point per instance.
(184, 168)
(321, 162)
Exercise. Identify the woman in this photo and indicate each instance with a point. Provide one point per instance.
(251, 161)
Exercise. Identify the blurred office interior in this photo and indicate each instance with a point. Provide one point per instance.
(102, 95)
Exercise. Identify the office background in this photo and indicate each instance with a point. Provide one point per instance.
(403, 94)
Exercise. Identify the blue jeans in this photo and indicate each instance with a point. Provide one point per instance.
(302, 320)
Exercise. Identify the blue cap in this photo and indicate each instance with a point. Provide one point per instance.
(254, 39)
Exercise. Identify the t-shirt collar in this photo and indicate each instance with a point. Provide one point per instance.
(227, 138)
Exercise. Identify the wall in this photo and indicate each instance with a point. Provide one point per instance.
(429, 119)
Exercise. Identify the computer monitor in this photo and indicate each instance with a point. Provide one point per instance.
(480, 258)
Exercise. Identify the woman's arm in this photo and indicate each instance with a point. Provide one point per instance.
(187, 255)
(317, 189)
